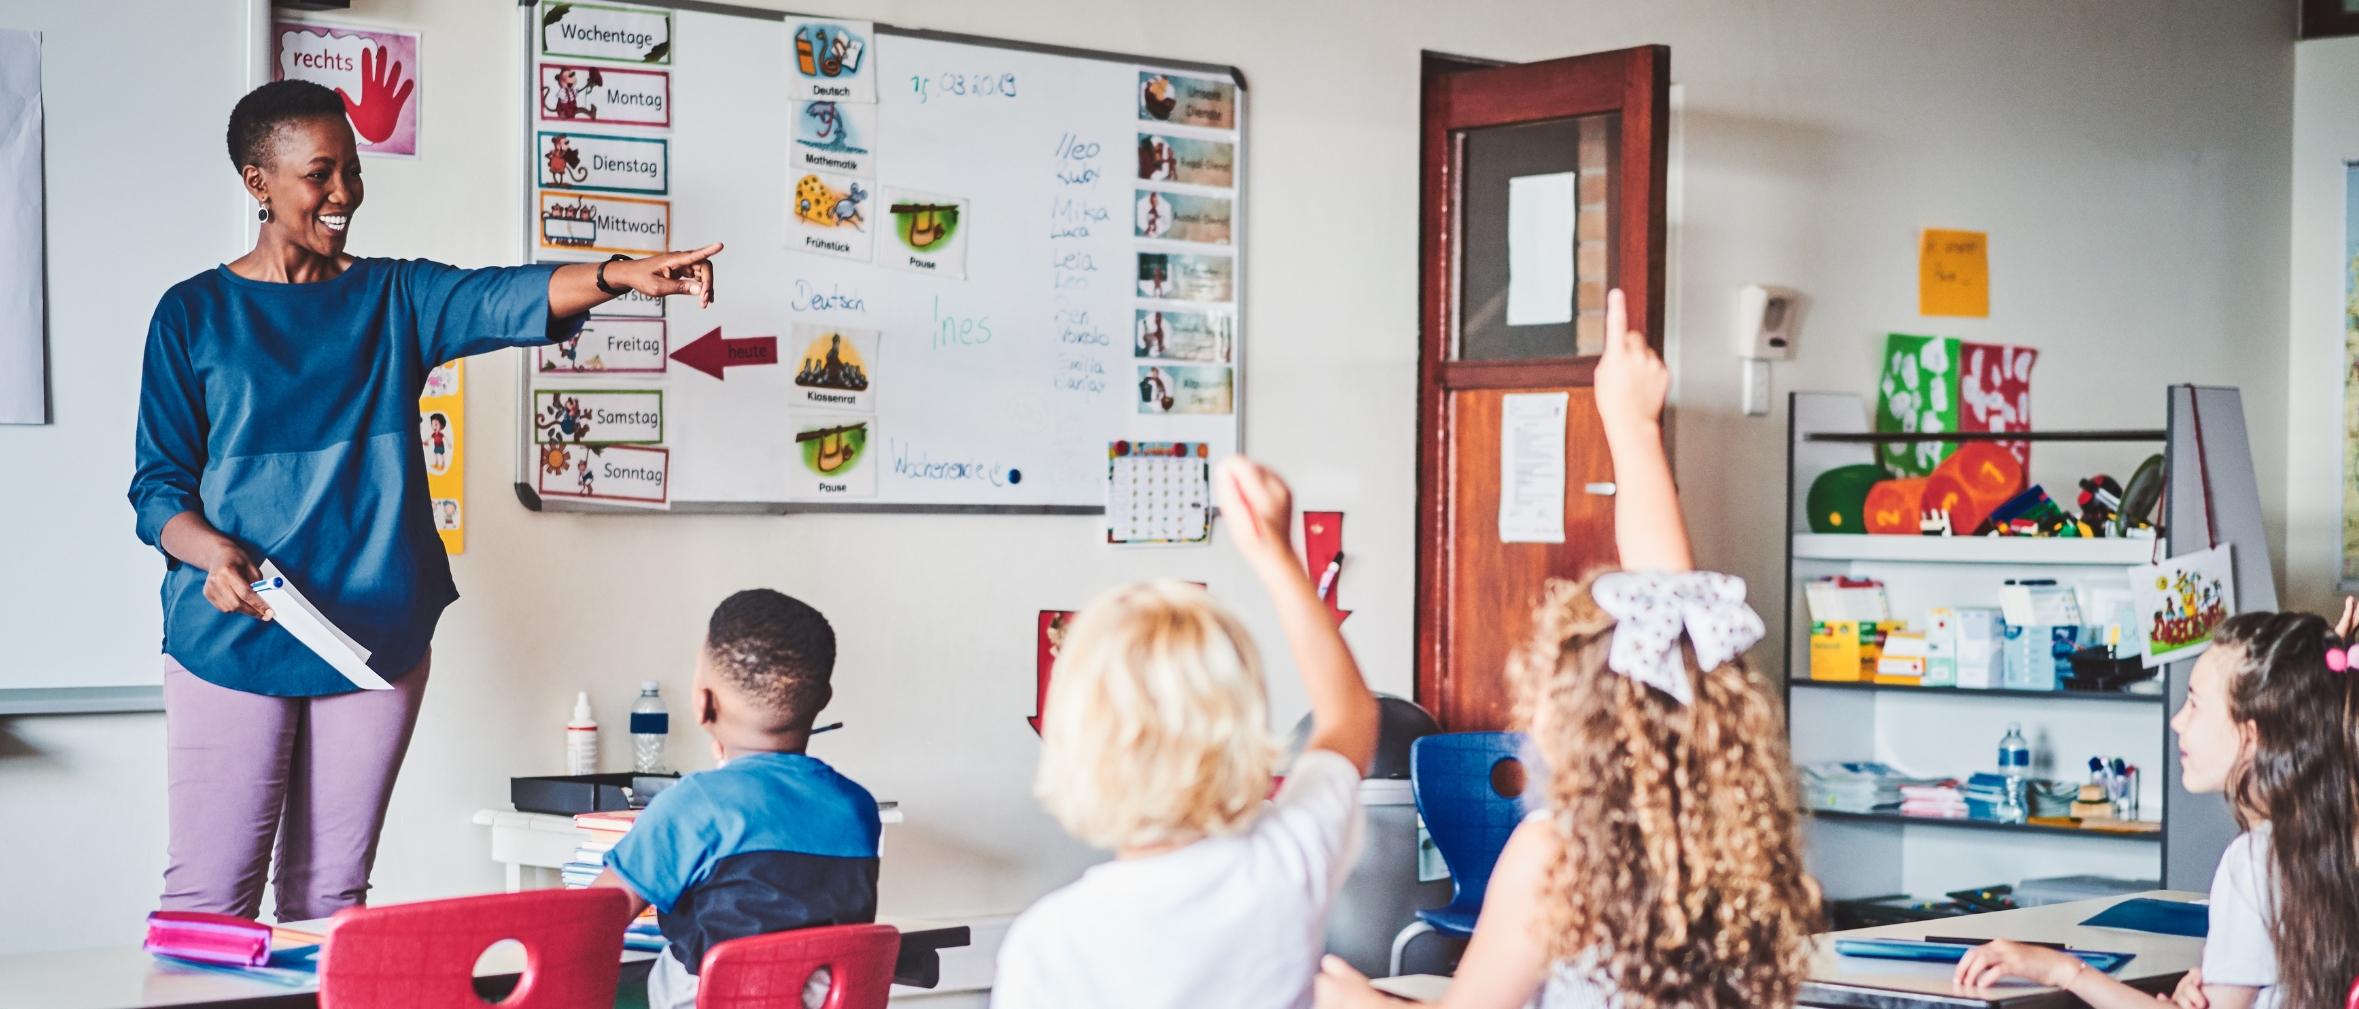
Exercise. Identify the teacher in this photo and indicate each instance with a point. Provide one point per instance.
(278, 420)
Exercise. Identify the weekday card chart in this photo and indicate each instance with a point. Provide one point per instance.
(956, 270)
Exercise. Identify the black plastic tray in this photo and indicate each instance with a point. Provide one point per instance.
(568, 794)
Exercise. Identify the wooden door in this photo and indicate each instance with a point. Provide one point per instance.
(1542, 188)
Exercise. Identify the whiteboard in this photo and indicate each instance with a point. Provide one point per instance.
(996, 383)
(79, 624)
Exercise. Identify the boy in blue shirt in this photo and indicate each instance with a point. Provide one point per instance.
(770, 839)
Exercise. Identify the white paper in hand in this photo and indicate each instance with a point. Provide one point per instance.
(290, 610)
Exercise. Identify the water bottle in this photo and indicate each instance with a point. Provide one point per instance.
(649, 724)
(2015, 765)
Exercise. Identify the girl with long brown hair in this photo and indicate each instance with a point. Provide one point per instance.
(2272, 720)
(1660, 866)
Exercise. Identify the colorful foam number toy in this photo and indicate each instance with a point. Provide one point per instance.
(1894, 507)
(1838, 498)
(1977, 478)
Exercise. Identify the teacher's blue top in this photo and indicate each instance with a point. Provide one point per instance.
(288, 415)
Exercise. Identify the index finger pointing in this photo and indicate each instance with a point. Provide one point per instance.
(691, 256)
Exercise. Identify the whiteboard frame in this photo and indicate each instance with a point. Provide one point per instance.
(529, 83)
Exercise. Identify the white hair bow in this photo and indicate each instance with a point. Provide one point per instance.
(1652, 608)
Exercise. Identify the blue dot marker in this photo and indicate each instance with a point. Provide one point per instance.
(1015, 476)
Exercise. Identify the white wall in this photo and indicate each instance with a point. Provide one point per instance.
(2326, 88)
(2131, 165)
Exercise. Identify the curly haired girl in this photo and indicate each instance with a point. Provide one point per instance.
(1662, 865)
(2272, 720)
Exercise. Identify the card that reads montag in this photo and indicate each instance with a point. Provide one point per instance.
(574, 416)
(589, 222)
(608, 346)
(606, 32)
(606, 96)
(634, 475)
(596, 163)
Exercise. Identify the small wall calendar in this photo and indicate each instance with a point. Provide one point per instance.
(1158, 492)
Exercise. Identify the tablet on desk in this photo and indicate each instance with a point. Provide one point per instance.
(1951, 952)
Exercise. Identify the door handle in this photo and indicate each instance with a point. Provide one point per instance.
(1605, 489)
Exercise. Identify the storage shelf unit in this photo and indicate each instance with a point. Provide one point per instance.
(1950, 731)
(2118, 696)
(2004, 828)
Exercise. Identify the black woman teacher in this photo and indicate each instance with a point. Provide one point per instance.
(278, 419)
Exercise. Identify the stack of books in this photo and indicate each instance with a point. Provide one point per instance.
(1854, 786)
(603, 831)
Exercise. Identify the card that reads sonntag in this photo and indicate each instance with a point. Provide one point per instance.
(637, 476)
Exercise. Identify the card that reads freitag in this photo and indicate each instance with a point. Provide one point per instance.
(574, 416)
(597, 163)
(609, 346)
(634, 475)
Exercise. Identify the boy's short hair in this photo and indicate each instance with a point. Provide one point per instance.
(777, 651)
(1156, 727)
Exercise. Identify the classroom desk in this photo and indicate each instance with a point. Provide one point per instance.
(532, 846)
(1839, 982)
(126, 977)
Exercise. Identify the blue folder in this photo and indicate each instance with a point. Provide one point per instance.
(1952, 952)
(2166, 917)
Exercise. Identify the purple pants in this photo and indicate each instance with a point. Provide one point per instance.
(312, 773)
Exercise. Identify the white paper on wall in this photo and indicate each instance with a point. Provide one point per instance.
(24, 395)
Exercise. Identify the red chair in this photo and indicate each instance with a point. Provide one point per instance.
(768, 971)
(423, 955)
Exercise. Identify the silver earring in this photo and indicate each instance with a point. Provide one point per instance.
(262, 213)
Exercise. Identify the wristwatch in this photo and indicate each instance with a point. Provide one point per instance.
(611, 292)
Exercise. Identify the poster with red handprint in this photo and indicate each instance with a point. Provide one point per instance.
(373, 70)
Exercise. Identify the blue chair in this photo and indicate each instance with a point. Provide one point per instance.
(1468, 818)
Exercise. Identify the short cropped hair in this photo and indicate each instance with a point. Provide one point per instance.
(777, 651)
(267, 108)
(1156, 727)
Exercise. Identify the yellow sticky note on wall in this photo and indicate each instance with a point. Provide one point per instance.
(1953, 273)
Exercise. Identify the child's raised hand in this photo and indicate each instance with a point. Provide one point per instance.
(1631, 381)
(1998, 959)
(2350, 619)
(1253, 497)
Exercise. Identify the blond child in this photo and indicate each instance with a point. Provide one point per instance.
(1661, 866)
(1156, 743)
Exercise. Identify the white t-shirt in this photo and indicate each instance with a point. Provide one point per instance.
(1236, 922)
(2238, 949)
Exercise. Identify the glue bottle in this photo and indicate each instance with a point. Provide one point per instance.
(581, 738)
